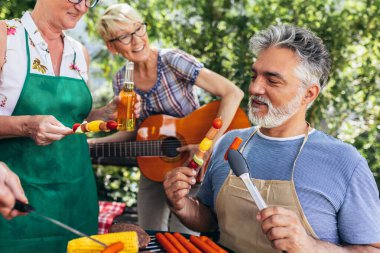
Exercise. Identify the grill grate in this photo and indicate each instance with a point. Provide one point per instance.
(153, 246)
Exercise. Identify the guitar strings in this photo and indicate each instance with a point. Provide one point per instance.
(189, 141)
(150, 148)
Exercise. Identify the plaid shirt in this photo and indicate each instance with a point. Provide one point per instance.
(173, 93)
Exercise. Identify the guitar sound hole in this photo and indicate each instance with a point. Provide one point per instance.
(169, 146)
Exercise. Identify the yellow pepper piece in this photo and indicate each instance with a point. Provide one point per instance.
(205, 144)
(94, 126)
(85, 245)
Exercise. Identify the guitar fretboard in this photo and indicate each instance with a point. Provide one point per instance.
(127, 149)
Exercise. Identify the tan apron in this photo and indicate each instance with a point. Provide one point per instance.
(236, 210)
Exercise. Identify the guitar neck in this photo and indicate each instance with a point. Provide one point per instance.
(127, 149)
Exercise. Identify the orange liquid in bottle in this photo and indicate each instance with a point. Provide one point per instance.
(125, 117)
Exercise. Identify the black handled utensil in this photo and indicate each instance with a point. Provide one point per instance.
(239, 166)
(23, 207)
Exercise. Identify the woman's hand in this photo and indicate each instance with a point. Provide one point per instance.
(10, 190)
(137, 106)
(45, 129)
(192, 149)
(110, 110)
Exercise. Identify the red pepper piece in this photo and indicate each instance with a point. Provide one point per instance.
(75, 126)
(111, 124)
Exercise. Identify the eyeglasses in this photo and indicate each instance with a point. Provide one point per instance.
(127, 38)
(88, 3)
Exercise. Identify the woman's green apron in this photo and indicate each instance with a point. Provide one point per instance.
(57, 179)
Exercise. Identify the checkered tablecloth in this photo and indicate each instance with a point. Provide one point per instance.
(107, 213)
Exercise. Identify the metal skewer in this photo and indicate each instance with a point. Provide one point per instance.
(26, 208)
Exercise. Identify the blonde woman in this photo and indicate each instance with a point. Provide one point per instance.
(165, 79)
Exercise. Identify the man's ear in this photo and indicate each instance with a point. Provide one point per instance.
(311, 93)
(111, 48)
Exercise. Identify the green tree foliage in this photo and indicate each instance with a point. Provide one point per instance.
(117, 183)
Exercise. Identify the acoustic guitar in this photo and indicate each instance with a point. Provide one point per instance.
(158, 136)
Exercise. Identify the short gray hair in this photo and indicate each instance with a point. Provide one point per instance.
(315, 60)
(115, 18)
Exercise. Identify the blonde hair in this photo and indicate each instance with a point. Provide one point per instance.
(115, 17)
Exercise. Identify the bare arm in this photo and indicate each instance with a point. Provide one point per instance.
(190, 211)
(230, 95)
(3, 43)
(116, 137)
(10, 126)
(43, 129)
(13, 126)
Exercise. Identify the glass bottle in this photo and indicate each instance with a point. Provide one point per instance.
(125, 116)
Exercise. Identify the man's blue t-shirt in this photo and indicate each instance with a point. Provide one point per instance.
(336, 188)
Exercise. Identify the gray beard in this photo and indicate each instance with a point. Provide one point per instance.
(275, 116)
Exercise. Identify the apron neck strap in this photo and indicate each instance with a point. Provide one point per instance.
(302, 145)
(298, 154)
(27, 51)
(250, 137)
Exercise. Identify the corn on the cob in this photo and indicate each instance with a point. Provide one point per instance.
(85, 245)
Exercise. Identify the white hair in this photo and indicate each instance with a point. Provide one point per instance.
(315, 60)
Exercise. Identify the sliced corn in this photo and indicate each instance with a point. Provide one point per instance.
(85, 245)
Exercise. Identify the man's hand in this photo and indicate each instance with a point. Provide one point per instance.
(45, 129)
(285, 231)
(10, 190)
(177, 185)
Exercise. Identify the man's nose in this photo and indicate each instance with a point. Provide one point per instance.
(257, 86)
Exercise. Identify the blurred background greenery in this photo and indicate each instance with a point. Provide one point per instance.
(217, 33)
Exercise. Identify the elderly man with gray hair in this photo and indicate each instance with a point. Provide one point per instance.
(322, 196)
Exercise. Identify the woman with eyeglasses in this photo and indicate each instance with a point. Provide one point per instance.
(43, 92)
(165, 79)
